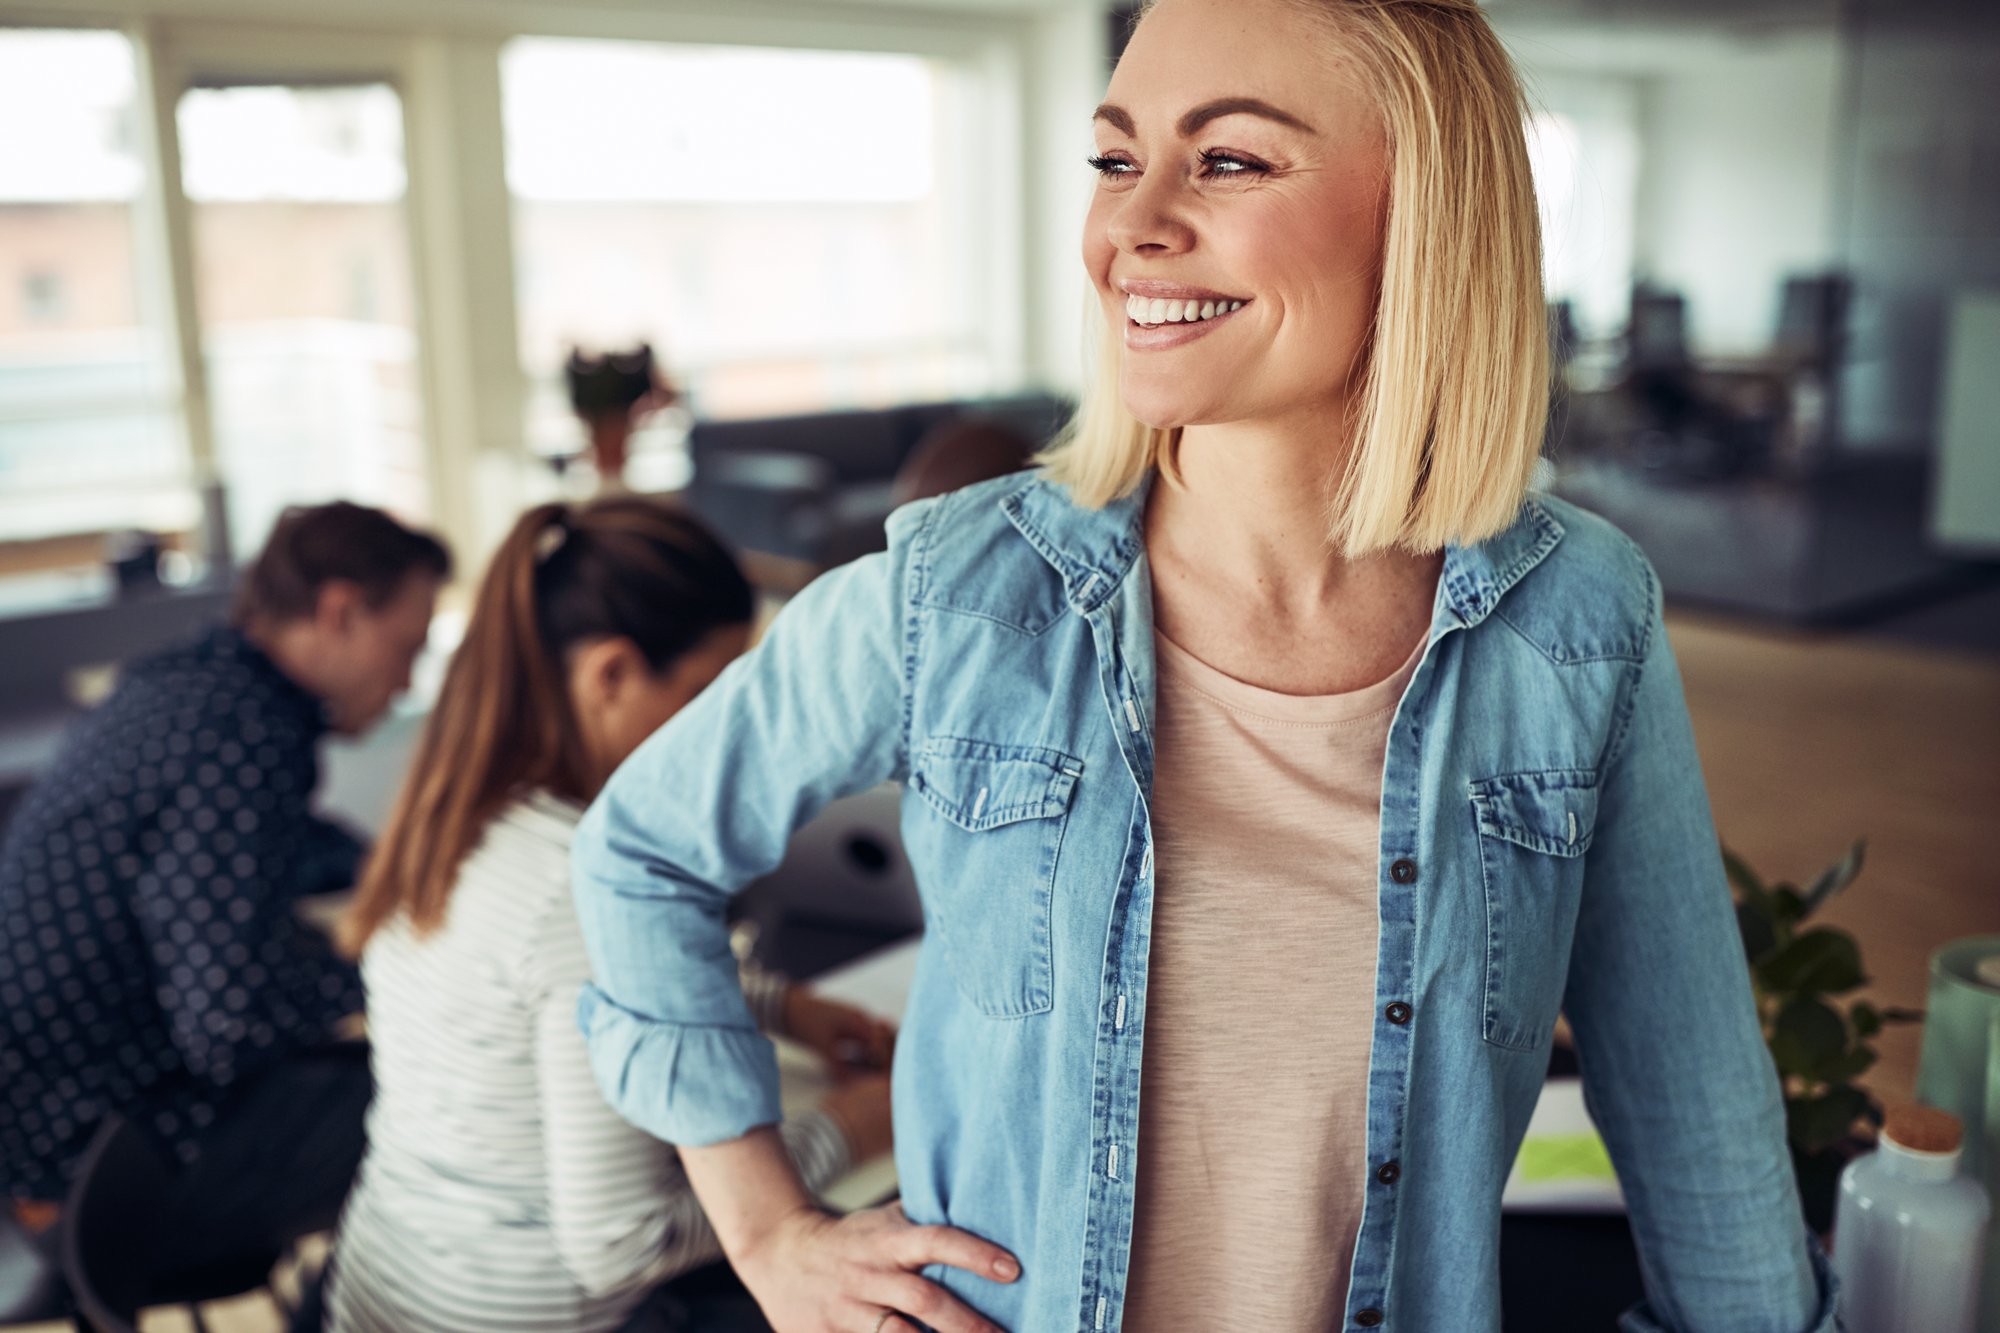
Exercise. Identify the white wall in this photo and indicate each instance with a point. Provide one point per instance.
(1737, 181)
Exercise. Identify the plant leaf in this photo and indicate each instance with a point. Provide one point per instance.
(1836, 877)
(1807, 1036)
(1819, 1122)
(1759, 938)
(1847, 1065)
(1743, 877)
(1867, 1021)
(1823, 961)
(1787, 904)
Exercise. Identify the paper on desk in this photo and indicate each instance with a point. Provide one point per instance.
(1563, 1166)
(880, 984)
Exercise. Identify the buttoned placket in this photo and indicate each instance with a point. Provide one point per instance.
(1120, 618)
(1399, 878)
(1127, 701)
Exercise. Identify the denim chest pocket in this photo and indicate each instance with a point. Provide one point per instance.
(1534, 829)
(990, 844)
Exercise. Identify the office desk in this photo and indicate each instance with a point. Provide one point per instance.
(879, 984)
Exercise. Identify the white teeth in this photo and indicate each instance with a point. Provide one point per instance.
(1141, 310)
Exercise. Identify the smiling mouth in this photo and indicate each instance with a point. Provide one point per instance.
(1152, 312)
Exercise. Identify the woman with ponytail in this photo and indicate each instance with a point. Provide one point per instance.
(499, 1190)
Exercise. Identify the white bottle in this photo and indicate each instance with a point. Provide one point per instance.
(1910, 1231)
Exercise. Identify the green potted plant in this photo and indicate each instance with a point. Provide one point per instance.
(1820, 1043)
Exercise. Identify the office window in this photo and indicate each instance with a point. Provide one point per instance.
(304, 291)
(90, 432)
(44, 298)
(789, 230)
(1585, 155)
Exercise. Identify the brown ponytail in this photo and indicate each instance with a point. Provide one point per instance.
(624, 567)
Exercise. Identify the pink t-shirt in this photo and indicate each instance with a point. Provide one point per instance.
(1260, 1000)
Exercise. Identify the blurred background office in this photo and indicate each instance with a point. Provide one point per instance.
(261, 252)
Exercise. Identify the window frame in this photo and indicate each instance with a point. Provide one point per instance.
(446, 68)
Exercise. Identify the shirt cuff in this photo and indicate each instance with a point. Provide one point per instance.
(687, 1085)
(1641, 1319)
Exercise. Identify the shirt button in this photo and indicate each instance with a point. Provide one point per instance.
(1388, 1173)
(1403, 871)
(1368, 1318)
(1397, 1013)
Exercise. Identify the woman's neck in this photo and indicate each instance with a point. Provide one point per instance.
(1247, 577)
(1254, 503)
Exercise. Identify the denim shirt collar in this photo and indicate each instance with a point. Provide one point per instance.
(1093, 549)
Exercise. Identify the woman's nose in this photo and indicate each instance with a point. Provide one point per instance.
(1149, 220)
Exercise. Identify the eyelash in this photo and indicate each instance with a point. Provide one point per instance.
(1110, 167)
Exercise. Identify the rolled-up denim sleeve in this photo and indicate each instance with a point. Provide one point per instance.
(707, 804)
(1641, 1319)
(1675, 1070)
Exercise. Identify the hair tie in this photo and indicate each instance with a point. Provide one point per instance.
(551, 538)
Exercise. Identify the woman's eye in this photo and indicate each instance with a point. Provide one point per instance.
(1216, 163)
(1110, 167)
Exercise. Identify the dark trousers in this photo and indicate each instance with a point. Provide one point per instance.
(277, 1164)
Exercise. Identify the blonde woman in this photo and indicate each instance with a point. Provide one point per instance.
(1278, 768)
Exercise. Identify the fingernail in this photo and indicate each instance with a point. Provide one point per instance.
(1007, 1269)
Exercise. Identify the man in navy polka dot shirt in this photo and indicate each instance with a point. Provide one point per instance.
(151, 960)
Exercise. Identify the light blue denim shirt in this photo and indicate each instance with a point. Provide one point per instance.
(1545, 846)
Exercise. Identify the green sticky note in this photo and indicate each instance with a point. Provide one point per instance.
(1550, 1158)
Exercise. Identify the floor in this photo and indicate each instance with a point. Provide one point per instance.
(1889, 731)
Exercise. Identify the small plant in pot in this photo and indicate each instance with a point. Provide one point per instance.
(1819, 1043)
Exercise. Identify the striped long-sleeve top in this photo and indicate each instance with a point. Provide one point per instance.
(499, 1191)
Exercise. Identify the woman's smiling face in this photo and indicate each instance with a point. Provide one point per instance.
(1236, 233)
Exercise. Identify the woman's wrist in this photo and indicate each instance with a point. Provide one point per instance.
(757, 1246)
(749, 1188)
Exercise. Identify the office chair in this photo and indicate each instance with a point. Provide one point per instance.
(1812, 320)
(1656, 337)
(111, 1233)
(31, 1285)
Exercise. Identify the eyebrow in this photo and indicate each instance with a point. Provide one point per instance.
(1120, 119)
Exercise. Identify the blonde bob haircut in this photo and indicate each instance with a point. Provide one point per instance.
(1453, 386)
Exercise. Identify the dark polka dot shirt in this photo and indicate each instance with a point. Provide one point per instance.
(150, 955)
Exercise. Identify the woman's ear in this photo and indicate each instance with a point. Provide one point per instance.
(601, 673)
